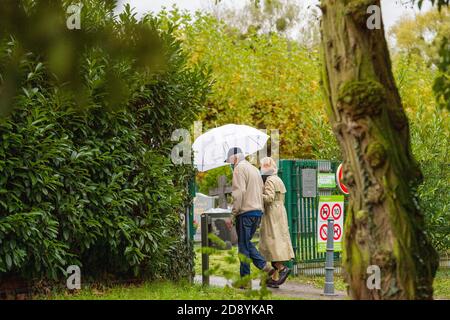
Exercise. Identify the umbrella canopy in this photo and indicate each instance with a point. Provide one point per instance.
(211, 148)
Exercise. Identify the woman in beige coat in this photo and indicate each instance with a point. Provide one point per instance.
(275, 242)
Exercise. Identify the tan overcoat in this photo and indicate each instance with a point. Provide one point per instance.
(247, 188)
(275, 241)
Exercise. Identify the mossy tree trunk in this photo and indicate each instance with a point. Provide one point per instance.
(384, 225)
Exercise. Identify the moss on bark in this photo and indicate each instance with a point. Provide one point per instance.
(359, 98)
(383, 226)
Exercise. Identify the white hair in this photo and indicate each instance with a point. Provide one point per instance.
(268, 164)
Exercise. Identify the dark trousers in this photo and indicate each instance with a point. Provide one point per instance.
(246, 228)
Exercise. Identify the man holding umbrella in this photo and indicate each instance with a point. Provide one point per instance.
(247, 208)
(232, 142)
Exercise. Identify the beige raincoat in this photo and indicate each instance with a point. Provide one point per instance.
(275, 241)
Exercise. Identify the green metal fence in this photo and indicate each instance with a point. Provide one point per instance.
(302, 214)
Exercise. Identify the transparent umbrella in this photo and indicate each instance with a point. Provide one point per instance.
(211, 148)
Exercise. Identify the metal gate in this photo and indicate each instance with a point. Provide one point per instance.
(302, 212)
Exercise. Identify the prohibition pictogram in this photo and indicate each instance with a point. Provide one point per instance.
(336, 211)
(323, 232)
(337, 232)
(325, 211)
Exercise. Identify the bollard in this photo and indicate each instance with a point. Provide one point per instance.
(329, 261)
(205, 244)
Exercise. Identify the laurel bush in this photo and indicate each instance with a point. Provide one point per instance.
(86, 177)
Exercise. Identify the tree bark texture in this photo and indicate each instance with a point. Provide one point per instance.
(384, 224)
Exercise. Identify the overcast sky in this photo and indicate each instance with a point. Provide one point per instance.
(392, 9)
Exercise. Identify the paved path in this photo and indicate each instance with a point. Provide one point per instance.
(289, 289)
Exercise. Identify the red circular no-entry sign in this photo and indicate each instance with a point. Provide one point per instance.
(339, 176)
(325, 211)
(336, 211)
(337, 232)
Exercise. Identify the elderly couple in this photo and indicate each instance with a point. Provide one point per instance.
(258, 199)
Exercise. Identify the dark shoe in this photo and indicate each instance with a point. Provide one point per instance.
(239, 285)
(272, 284)
(283, 275)
(267, 277)
(245, 288)
(271, 272)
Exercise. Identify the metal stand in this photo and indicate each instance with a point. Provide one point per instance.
(205, 224)
(187, 224)
(329, 261)
(205, 244)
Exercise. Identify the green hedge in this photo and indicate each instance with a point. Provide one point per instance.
(95, 186)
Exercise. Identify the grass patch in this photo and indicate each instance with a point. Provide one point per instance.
(222, 262)
(162, 290)
(441, 284)
(319, 281)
